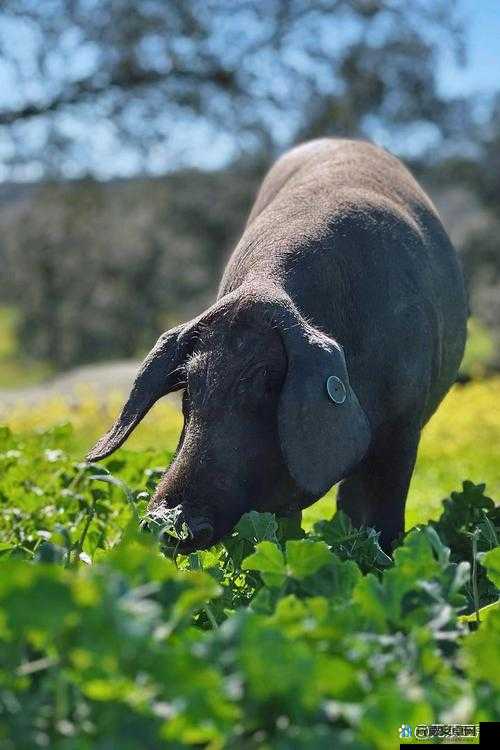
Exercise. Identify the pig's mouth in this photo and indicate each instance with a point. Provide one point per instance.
(180, 531)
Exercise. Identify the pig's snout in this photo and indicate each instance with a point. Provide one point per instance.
(178, 526)
(201, 532)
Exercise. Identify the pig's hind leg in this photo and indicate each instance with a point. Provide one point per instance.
(375, 494)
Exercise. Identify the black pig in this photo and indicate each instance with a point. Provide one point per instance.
(339, 326)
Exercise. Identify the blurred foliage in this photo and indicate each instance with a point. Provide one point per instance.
(17, 370)
(90, 416)
(479, 350)
(271, 639)
(473, 171)
(97, 270)
(149, 77)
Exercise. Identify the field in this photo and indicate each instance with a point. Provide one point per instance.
(460, 442)
(280, 637)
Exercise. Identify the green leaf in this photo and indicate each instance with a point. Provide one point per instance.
(371, 598)
(484, 613)
(277, 671)
(304, 557)
(491, 561)
(350, 543)
(257, 527)
(268, 559)
(297, 650)
(481, 651)
(116, 482)
(336, 580)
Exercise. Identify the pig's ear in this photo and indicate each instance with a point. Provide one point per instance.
(324, 432)
(159, 374)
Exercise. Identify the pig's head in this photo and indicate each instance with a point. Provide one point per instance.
(271, 421)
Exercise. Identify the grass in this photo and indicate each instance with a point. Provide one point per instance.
(460, 442)
(103, 652)
(16, 371)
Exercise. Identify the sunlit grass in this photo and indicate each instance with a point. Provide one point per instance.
(15, 371)
(461, 441)
(8, 343)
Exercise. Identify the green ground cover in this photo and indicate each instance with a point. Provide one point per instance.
(279, 637)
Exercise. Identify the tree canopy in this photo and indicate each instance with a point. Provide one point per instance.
(165, 82)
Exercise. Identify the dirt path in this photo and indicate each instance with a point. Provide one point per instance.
(102, 379)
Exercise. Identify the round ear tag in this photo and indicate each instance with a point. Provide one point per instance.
(336, 389)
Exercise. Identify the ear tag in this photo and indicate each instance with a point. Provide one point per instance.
(336, 389)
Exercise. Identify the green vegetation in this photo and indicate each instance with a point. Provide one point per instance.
(479, 352)
(272, 639)
(16, 371)
(279, 637)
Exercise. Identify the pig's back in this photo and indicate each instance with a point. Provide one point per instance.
(351, 236)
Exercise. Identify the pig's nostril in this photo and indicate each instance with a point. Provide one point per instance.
(202, 532)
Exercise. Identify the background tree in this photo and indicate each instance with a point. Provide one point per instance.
(97, 270)
(473, 174)
(94, 88)
(91, 78)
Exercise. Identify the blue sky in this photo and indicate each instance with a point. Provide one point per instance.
(478, 77)
(482, 72)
